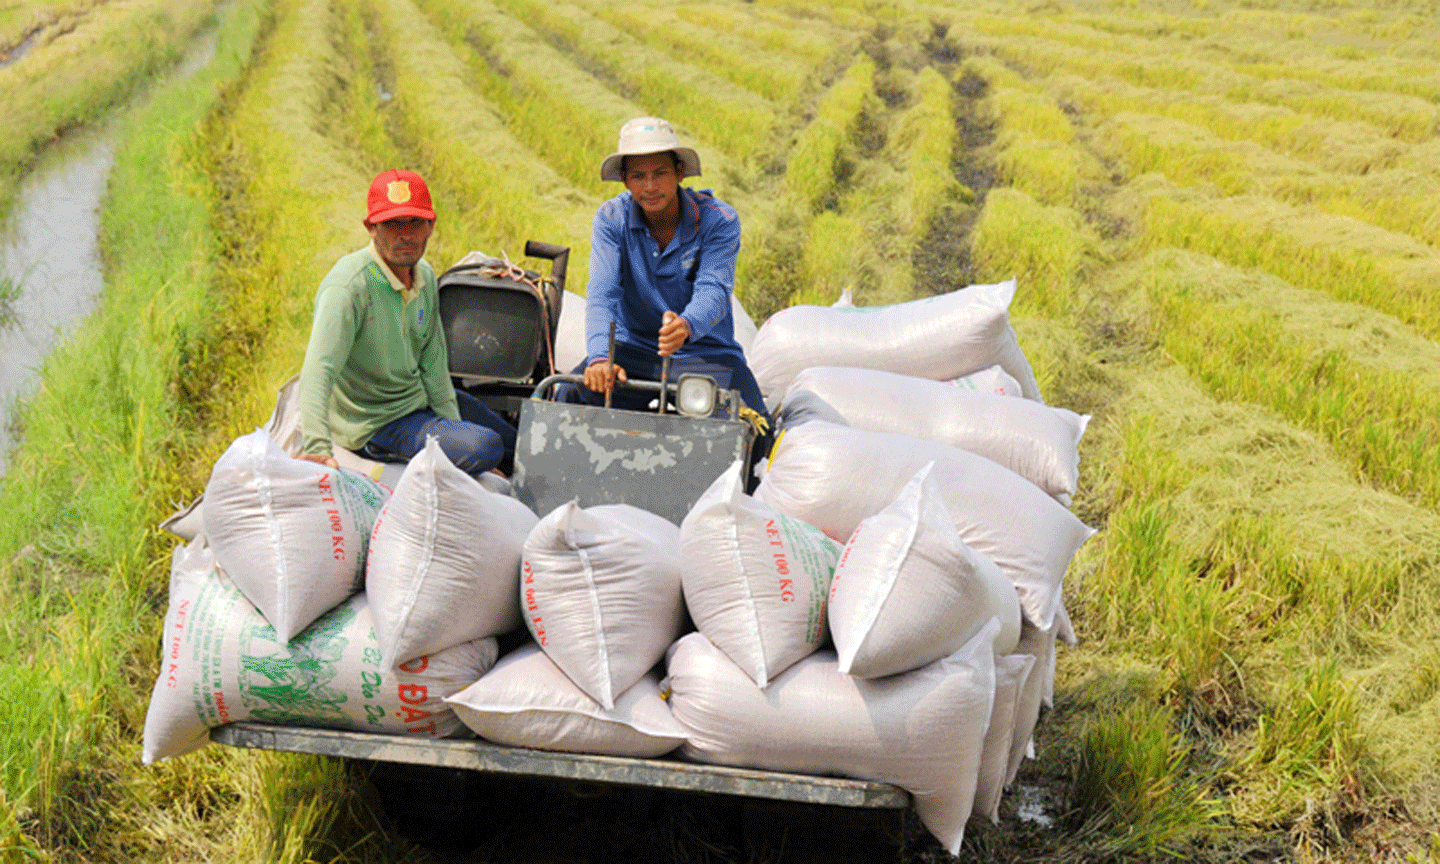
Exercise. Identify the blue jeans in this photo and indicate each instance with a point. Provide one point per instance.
(478, 441)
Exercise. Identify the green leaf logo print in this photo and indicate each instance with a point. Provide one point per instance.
(286, 685)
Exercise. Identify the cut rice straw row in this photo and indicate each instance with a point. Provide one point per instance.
(292, 201)
(776, 76)
(1341, 257)
(1400, 201)
(727, 117)
(1341, 146)
(560, 112)
(505, 194)
(1314, 360)
(1408, 91)
(768, 31)
(810, 171)
(1168, 66)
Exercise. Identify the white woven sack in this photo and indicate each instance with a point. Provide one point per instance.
(801, 406)
(1011, 672)
(942, 337)
(1034, 440)
(991, 380)
(444, 565)
(526, 701)
(834, 477)
(1038, 688)
(601, 593)
(756, 581)
(908, 591)
(221, 663)
(292, 534)
(921, 731)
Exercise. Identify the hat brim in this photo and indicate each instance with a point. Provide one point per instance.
(398, 212)
(610, 168)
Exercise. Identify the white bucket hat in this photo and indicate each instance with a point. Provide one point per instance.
(643, 136)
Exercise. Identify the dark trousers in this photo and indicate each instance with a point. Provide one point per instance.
(478, 441)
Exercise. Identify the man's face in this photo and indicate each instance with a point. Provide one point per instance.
(401, 241)
(653, 180)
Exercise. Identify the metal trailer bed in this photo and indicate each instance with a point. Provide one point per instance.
(482, 756)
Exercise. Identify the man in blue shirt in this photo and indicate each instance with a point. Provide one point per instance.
(662, 268)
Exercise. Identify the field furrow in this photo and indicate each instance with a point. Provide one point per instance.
(88, 64)
(499, 191)
(723, 115)
(767, 31)
(559, 111)
(1409, 118)
(774, 75)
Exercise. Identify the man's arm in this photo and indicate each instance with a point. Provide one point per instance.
(332, 333)
(603, 292)
(715, 277)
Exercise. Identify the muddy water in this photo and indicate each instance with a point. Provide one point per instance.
(49, 251)
(50, 255)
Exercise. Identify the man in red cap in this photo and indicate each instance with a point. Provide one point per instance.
(376, 377)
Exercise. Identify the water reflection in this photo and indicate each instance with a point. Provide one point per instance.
(50, 256)
(52, 260)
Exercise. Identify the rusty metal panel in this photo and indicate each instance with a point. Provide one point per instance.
(658, 462)
(476, 755)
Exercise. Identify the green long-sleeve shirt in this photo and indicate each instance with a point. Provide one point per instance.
(373, 356)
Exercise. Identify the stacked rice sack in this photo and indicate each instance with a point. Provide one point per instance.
(915, 436)
(884, 606)
(315, 596)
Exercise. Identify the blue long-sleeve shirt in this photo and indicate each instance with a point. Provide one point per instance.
(633, 282)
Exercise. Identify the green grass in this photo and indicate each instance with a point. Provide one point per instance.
(103, 452)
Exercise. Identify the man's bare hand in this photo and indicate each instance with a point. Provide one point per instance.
(319, 457)
(600, 377)
(674, 330)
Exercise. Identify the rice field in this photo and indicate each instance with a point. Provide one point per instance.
(1223, 220)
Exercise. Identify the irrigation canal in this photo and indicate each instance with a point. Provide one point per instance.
(49, 249)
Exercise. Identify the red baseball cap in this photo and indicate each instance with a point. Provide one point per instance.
(397, 193)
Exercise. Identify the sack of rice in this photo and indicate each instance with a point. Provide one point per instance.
(1011, 672)
(221, 662)
(802, 406)
(526, 701)
(292, 534)
(600, 592)
(942, 337)
(757, 580)
(908, 591)
(990, 380)
(834, 477)
(1039, 686)
(1034, 440)
(921, 731)
(444, 565)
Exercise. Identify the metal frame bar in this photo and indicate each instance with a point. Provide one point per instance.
(482, 756)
